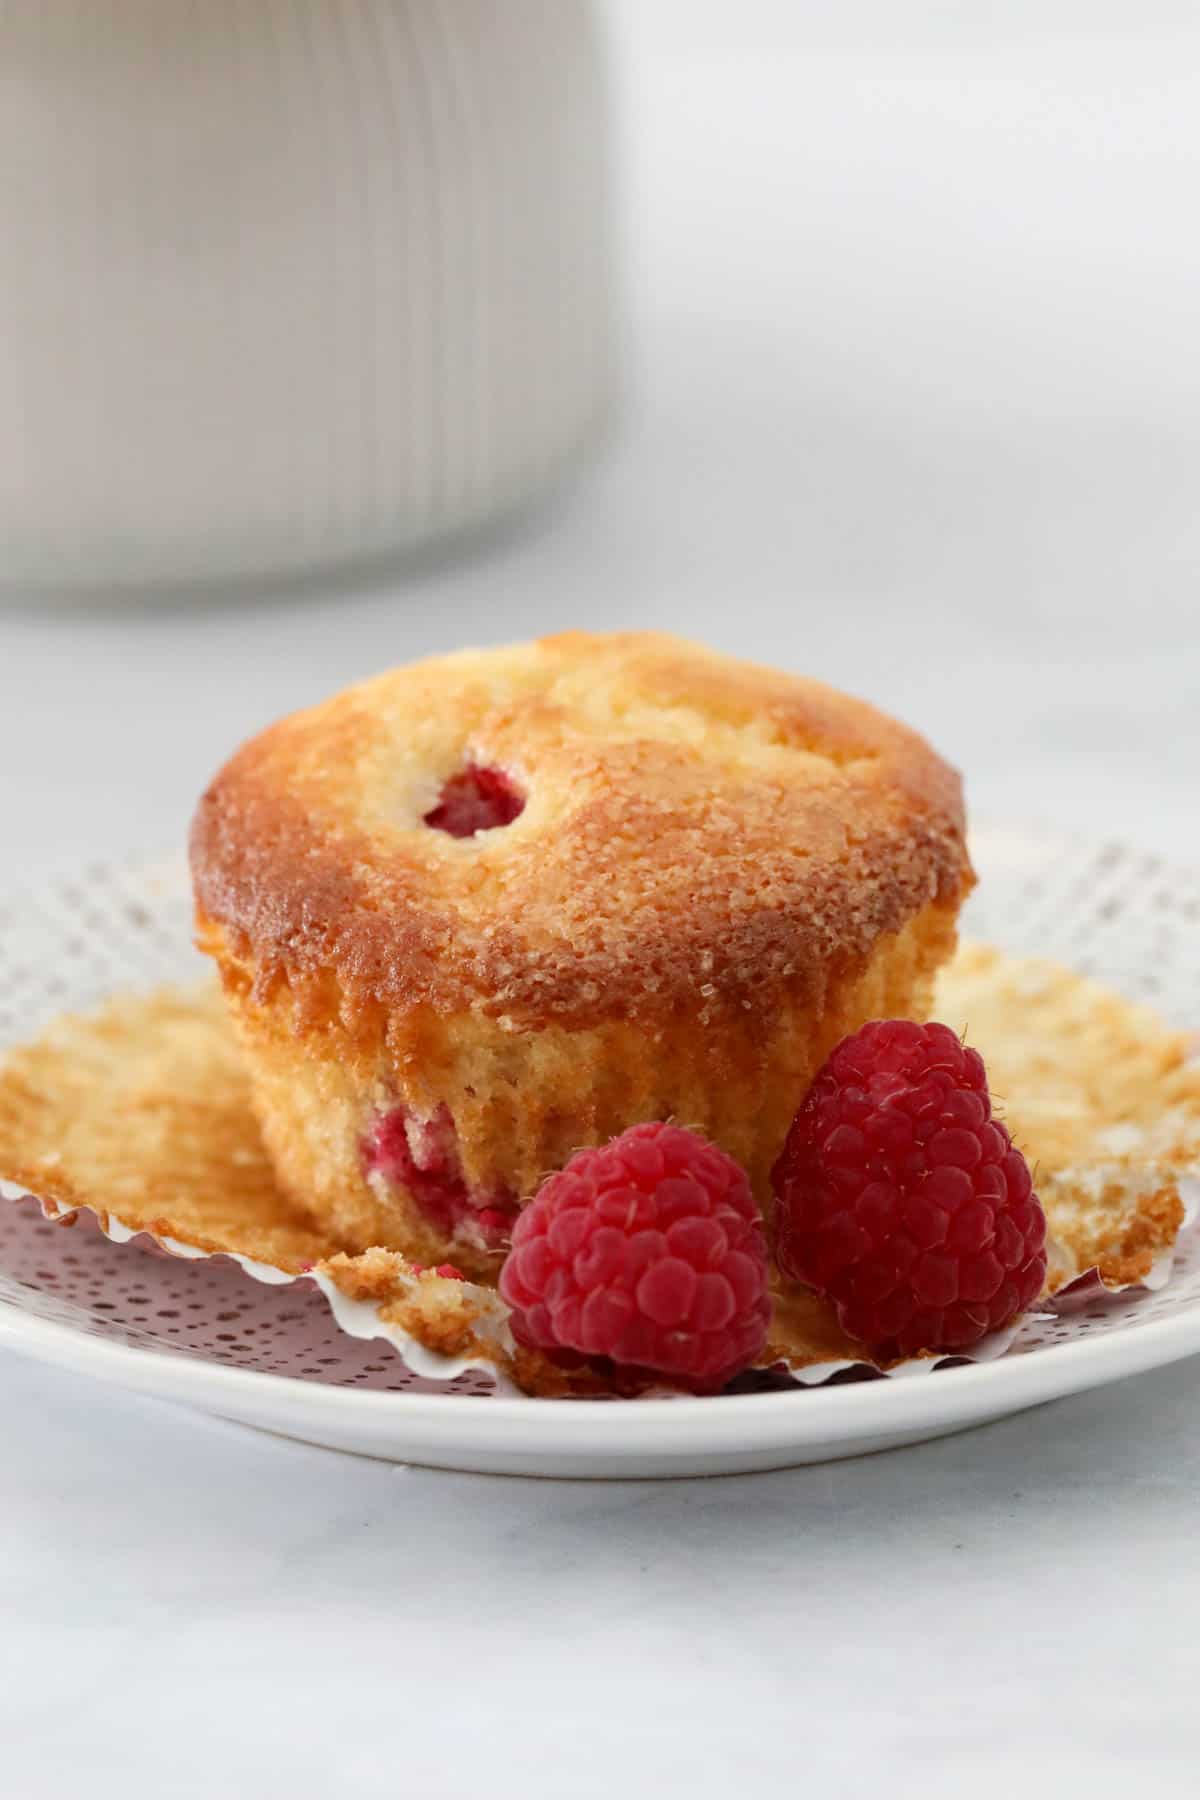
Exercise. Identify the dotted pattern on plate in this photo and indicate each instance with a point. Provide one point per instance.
(1125, 918)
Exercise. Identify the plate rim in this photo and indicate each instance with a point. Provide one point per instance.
(850, 1411)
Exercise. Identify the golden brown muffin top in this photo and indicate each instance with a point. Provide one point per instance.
(698, 832)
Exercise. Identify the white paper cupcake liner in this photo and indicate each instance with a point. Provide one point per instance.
(362, 1321)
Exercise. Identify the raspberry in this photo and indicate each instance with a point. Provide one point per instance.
(477, 799)
(902, 1200)
(649, 1254)
(422, 1156)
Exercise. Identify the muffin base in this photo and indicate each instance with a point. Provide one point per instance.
(424, 1132)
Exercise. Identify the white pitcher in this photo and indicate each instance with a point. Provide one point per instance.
(285, 283)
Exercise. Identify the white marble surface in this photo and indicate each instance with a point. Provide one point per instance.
(195, 1610)
(916, 409)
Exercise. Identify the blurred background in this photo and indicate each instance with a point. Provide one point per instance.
(908, 399)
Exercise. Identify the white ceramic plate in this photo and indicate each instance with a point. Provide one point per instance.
(205, 1335)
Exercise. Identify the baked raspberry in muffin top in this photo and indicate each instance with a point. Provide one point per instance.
(484, 910)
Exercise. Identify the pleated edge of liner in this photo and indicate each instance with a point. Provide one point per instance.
(357, 1318)
(361, 1319)
(1089, 1285)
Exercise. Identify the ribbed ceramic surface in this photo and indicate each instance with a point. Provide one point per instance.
(288, 282)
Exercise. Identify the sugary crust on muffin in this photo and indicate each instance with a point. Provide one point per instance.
(698, 832)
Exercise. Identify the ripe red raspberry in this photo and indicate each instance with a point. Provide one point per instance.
(477, 799)
(649, 1253)
(901, 1199)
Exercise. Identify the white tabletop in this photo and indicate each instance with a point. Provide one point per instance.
(915, 409)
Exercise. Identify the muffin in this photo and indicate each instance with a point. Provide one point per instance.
(481, 911)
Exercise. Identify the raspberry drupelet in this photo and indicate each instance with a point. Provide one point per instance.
(902, 1200)
(648, 1253)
